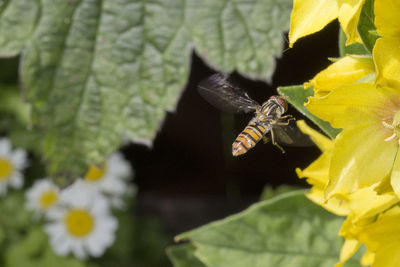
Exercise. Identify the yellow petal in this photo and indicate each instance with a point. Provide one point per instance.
(365, 203)
(368, 258)
(384, 231)
(349, 15)
(360, 158)
(348, 249)
(386, 55)
(310, 16)
(317, 172)
(387, 17)
(348, 229)
(395, 177)
(387, 256)
(382, 237)
(334, 205)
(323, 142)
(347, 70)
(349, 105)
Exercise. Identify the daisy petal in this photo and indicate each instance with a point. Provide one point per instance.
(78, 250)
(5, 147)
(93, 247)
(62, 246)
(16, 180)
(18, 158)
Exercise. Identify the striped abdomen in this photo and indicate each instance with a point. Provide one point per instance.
(248, 138)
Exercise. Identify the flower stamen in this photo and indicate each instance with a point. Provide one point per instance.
(393, 136)
(387, 125)
(395, 127)
(48, 199)
(79, 222)
(95, 173)
(6, 169)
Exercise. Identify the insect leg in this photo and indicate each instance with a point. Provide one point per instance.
(265, 139)
(290, 118)
(275, 143)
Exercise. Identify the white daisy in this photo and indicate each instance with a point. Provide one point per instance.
(42, 196)
(81, 222)
(112, 178)
(12, 163)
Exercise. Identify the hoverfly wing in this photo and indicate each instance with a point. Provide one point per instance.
(219, 92)
(291, 135)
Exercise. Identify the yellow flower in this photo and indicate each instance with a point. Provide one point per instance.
(382, 237)
(364, 152)
(386, 51)
(310, 16)
(317, 173)
(365, 205)
(362, 206)
(346, 70)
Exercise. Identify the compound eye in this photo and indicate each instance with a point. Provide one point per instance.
(281, 101)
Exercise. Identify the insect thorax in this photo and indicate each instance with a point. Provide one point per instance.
(270, 111)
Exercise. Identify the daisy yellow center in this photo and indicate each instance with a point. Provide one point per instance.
(6, 169)
(48, 199)
(95, 173)
(79, 222)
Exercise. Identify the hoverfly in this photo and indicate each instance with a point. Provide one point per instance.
(221, 93)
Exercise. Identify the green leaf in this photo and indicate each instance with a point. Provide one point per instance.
(288, 230)
(50, 259)
(13, 216)
(14, 119)
(353, 49)
(367, 31)
(34, 251)
(366, 27)
(32, 245)
(183, 256)
(97, 70)
(241, 35)
(11, 102)
(297, 96)
(270, 192)
(18, 19)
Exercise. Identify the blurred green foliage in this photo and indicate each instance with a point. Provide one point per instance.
(140, 241)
